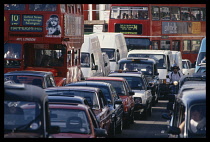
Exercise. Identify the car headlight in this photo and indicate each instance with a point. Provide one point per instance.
(137, 100)
(175, 83)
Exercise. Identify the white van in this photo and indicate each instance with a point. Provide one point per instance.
(164, 61)
(201, 54)
(92, 63)
(114, 45)
(177, 59)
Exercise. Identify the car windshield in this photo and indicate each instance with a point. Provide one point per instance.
(159, 58)
(26, 79)
(85, 59)
(136, 83)
(118, 86)
(146, 68)
(91, 97)
(21, 116)
(197, 123)
(110, 53)
(70, 120)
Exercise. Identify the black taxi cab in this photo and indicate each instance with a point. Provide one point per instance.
(189, 118)
(26, 112)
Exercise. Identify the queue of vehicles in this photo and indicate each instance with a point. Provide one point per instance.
(102, 105)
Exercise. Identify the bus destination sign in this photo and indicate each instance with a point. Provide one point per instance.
(27, 20)
(129, 28)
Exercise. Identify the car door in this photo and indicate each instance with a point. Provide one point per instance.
(148, 92)
(130, 98)
(105, 114)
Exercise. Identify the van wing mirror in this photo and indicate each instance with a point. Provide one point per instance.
(95, 67)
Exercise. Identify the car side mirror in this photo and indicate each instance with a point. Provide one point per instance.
(149, 88)
(167, 76)
(174, 130)
(100, 132)
(131, 93)
(95, 67)
(157, 73)
(54, 130)
(166, 116)
(105, 64)
(119, 101)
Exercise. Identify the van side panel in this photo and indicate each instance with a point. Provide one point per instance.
(201, 53)
(91, 45)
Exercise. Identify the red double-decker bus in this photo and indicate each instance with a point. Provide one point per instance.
(178, 27)
(44, 37)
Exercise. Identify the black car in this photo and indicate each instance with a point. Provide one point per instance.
(114, 101)
(39, 78)
(148, 67)
(26, 112)
(189, 118)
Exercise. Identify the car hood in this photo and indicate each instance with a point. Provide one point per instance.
(22, 135)
(71, 135)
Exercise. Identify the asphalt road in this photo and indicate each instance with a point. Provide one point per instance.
(154, 127)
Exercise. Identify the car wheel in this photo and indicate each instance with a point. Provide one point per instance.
(120, 127)
(132, 118)
(113, 129)
(126, 124)
(150, 111)
(144, 114)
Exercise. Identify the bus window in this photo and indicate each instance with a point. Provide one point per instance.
(165, 13)
(186, 45)
(176, 45)
(155, 45)
(137, 43)
(195, 14)
(42, 7)
(14, 6)
(165, 45)
(12, 51)
(63, 8)
(195, 45)
(203, 14)
(185, 13)
(175, 13)
(155, 13)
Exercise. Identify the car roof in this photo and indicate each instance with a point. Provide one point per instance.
(77, 88)
(190, 97)
(24, 92)
(149, 51)
(127, 74)
(107, 78)
(68, 105)
(65, 98)
(87, 83)
(142, 59)
(36, 73)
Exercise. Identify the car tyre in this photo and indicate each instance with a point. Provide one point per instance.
(120, 127)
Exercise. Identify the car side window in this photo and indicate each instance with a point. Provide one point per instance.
(93, 118)
(49, 83)
(114, 94)
(102, 99)
(127, 87)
